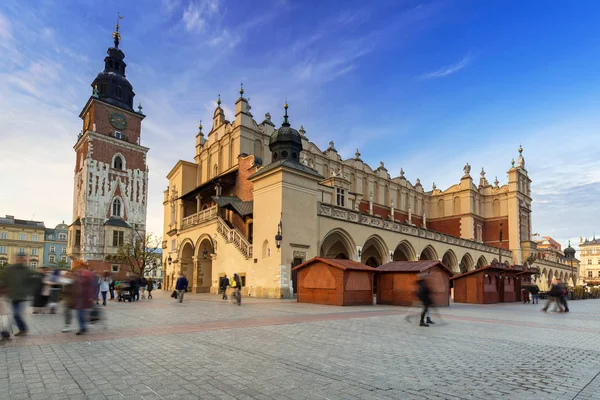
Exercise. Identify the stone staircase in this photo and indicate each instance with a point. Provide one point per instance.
(232, 235)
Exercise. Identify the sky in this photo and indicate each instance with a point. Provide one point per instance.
(421, 85)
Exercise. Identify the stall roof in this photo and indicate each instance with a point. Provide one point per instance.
(411, 266)
(337, 263)
(492, 267)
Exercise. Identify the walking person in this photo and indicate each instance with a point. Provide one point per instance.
(96, 283)
(424, 295)
(105, 286)
(111, 289)
(136, 288)
(55, 288)
(181, 287)
(84, 297)
(143, 285)
(236, 285)
(149, 287)
(535, 294)
(223, 285)
(17, 284)
(565, 294)
(554, 297)
(69, 294)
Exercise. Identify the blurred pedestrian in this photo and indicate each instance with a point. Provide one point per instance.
(565, 294)
(17, 284)
(150, 287)
(84, 297)
(53, 279)
(104, 286)
(39, 300)
(181, 287)
(143, 285)
(96, 283)
(525, 294)
(111, 288)
(424, 295)
(69, 292)
(224, 284)
(554, 297)
(535, 293)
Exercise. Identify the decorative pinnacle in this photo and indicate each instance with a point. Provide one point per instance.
(357, 155)
(219, 101)
(140, 107)
(241, 89)
(285, 116)
(116, 35)
(95, 91)
(301, 130)
(520, 149)
(512, 163)
(200, 127)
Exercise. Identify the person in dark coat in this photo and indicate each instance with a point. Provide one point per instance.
(535, 294)
(17, 284)
(85, 293)
(37, 287)
(554, 295)
(111, 289)
(424, 295)
(181, 287)
(223, 285)
(149, 287)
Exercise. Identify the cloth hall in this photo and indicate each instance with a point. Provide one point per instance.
(259, 199)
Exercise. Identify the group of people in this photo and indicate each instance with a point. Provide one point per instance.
(19, 283)
(181, 286)
(78, 290)
(531, 294)
(135, 287)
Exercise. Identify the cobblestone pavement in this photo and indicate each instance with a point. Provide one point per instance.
(206, 348)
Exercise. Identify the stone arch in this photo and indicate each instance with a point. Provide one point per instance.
(374, 252)
(457, 206)
(404, 252)
(202, 280)
(337, 243)
(550, 276)
(266, 252)
(466, 263)
(481, 262)
(186, 260)
(440, 208)
(258, 149)
(561, 276)
(118, 162)
(428, 253)
(449, 259)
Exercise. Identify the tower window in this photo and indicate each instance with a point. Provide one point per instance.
(118, 163)
(116, 208)
(340, 197)
(103, 88)
(118, 92)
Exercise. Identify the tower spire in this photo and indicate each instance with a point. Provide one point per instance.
(285, 116)
(116, 35)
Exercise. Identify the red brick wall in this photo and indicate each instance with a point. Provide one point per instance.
(103, 151)
(99, 267)
(491, 233)
(100, 114)
(449, 226)
(243, 187)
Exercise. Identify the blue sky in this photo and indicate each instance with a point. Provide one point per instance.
(422, 85)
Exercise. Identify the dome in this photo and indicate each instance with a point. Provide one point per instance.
(62, 226)
(285, 134)
(569, 251)
(285, 143)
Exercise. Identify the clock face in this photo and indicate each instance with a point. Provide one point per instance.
(118, 120)
(86, 121)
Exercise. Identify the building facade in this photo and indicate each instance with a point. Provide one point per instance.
(21, 236)
(245, 205)
(590, 260)
(111, 176)
(553, 262)
(155, 272)
(55, 246)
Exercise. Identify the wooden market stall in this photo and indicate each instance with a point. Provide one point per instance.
(510, 286)
(526, 279)
(397, 282)
(479, 286)
(334, 281)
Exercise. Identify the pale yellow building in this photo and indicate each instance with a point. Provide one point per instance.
(21, 236)
(590, 260)
(249, 181)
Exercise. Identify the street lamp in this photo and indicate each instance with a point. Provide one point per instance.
(278, 237)
(169, 260)
(570, 255)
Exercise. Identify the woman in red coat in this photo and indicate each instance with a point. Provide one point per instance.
(84, 297)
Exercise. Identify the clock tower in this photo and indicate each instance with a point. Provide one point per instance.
(111, 176)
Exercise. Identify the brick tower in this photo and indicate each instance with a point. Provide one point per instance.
(111, 176)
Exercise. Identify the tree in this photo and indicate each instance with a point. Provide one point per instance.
(139, 255)
(60, 264)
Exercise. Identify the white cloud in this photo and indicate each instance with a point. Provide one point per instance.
(5, 30)
(198, 13)
(450, 69)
